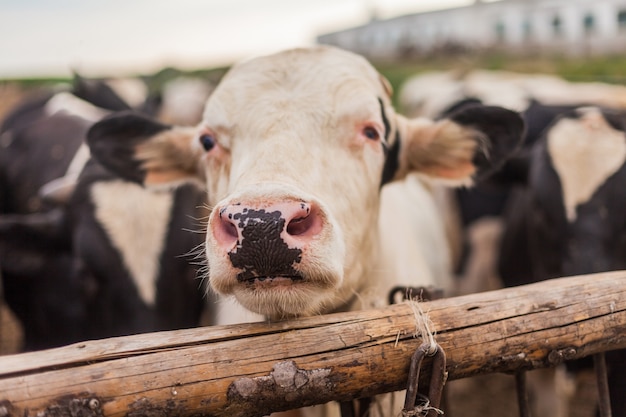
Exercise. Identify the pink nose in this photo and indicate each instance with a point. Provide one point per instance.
(291, 224)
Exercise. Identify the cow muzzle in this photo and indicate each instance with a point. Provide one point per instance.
(266, 242)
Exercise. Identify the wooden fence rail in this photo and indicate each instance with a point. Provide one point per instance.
(253, 369)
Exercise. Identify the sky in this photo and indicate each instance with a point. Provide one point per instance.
(126, 37)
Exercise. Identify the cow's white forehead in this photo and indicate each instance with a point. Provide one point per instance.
(585, 152)
(302, 66)
(320, 79)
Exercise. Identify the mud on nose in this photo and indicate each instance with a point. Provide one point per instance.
(295, 223)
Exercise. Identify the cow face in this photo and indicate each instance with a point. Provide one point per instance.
(574, 205)
(280, 179)
(293, 148)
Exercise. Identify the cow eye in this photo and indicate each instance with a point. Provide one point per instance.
(371, 133)
(207, 141)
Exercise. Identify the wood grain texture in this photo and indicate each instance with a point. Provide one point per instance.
(254, 369)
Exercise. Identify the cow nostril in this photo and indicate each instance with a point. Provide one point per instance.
(308, 224)
(299, 226)
(230, 229)
(226, 231)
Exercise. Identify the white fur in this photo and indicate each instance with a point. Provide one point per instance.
(77, 164)
(132, 90)
(428, 94)
(70, 104)
(183, 100)
(412, 235)
(229, 311)
(61, 189)
(136, 221)
(497, 88)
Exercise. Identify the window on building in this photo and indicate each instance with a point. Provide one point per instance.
(621, 20)
(557, 26)
(500, 31)
(527, 29)
(589, 23)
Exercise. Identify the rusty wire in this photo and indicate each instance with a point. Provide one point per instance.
(604, 399)
(522, 394)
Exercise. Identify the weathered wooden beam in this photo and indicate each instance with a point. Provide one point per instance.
(252, 369)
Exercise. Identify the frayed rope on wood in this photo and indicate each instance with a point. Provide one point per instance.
(421, 410)
(423, 325)
(425, 329)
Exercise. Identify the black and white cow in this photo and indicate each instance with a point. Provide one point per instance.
(539, 97)
(569, 217)
(294, 148)
(480, 207)
(110, 258)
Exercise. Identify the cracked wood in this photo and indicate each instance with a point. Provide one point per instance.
(253, 369)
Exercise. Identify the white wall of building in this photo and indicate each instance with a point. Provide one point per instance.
(543, 25)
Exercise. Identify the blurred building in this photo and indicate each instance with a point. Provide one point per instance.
(571, 27)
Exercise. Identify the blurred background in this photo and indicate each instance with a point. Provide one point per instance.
(50, 38)
(573, 44)
(43, 41)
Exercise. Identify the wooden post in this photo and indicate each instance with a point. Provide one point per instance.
(254, 369)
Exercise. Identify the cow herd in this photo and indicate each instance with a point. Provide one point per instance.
(296, 189)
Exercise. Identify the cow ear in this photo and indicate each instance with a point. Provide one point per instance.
(98, 93)
(466, 146)
(143, 150)
(515, 170)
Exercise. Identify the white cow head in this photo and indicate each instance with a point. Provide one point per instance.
(294, 148)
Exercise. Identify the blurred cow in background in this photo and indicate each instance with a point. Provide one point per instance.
(83, 253)
(569, 215)
(550, 107)
(540, 98)
(182, 100)
(431, 94)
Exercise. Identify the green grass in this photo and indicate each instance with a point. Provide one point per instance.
(610, 69)
(154, 81)
(36, 82)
